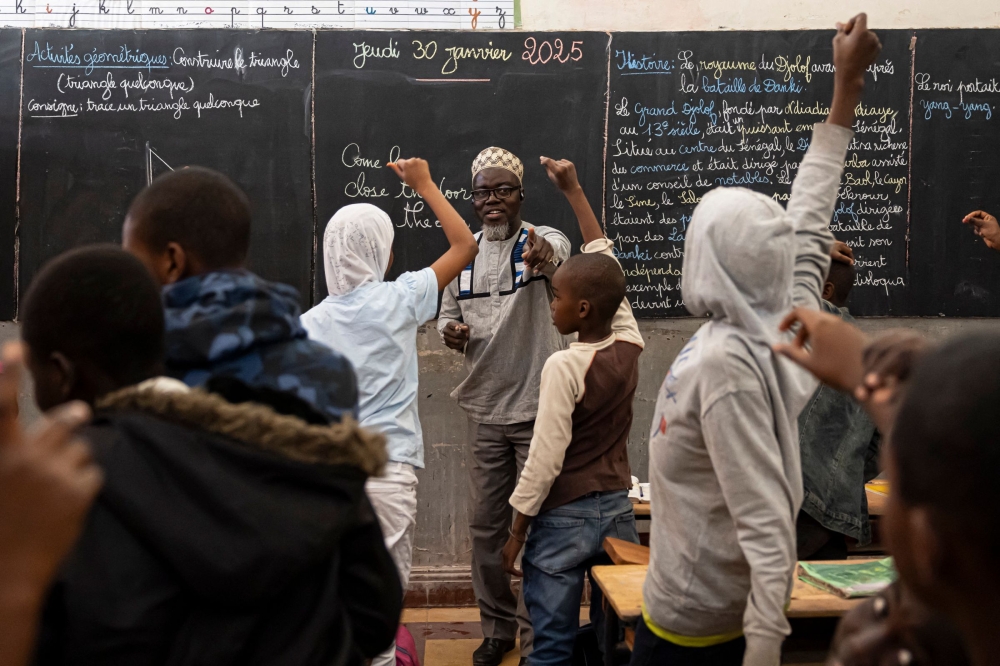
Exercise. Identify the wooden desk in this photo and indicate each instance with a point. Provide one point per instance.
(641, 509)
(622, 589)
(876, 503)
(625, 552)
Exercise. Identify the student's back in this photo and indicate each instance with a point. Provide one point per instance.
(374, 323)
(225, 533)
(191, 228)
(725, 468)
(375, 326)
(207, 549)
(724, 453)
(232, 323)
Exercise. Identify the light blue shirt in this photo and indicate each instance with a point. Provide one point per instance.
(375, 327)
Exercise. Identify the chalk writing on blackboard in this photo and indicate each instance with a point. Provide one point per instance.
(154, 164)
(686, 120)
(126, 79)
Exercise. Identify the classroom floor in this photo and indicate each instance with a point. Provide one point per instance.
(448, 637)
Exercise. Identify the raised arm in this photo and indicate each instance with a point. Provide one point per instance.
(623, 324)
(814, 192)
(562, 173)
(838, 354)
(985, 226)
(417, 174)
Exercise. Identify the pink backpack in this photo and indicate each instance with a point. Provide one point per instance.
(406, 648)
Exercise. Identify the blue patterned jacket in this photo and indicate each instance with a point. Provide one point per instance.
(231, 323)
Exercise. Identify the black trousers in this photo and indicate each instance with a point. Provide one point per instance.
(651, 650)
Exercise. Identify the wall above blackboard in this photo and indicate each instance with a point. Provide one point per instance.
(262, 14)
(653, 120)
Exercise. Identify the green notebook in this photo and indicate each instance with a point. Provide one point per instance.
(849, 580)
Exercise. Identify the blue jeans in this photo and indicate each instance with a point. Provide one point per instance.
(562, 545)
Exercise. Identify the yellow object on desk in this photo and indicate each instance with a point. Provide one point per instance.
(622, 587)
(877, 492)
(880, 486)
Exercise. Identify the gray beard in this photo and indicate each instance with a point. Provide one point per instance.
(496, 232)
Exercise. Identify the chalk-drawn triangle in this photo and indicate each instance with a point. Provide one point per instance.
(154, 164)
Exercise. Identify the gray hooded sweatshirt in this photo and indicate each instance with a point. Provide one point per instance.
(724, 448)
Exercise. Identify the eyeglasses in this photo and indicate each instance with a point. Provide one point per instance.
(505, 192)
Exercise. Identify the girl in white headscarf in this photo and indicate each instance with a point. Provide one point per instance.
(374, 324)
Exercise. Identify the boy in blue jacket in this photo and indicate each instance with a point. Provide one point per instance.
(191, 228)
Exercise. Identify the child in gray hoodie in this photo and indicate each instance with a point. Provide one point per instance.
(724, 449)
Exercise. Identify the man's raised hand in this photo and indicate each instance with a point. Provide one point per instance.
(985, 226)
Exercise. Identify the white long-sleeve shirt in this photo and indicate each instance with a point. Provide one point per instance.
(506, 307)
(604, 420)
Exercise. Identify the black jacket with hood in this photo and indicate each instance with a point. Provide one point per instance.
(225, 534)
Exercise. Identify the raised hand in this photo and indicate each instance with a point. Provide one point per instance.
(835, 348)
(537, 251)
(415, 172)
(854, 49)
(562, 173)
(842, 253)
(455, 335)
(985, 226)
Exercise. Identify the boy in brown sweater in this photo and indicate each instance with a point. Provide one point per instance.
(573, 491)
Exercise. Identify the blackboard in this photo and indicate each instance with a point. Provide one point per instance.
(652, 120)
(956, 164)
(445, 97)
(692, 111)
(100, 119)
(10, 84)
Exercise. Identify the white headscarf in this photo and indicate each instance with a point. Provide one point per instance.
(356, 247)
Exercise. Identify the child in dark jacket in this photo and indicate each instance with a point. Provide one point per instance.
(191, 228)
(225, 533)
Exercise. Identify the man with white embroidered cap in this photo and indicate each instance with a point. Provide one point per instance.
(497, 314)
